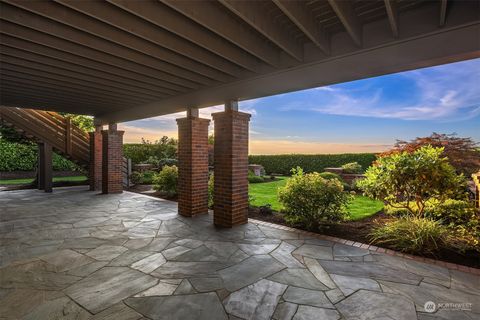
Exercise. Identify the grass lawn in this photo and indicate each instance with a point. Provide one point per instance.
(264, 193)
(55, 179)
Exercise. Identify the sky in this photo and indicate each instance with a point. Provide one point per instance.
(366, 115)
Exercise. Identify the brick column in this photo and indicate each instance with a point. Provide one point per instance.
(95, 168)
(231, 168)
(45, 167)
(112, 160)
(192, 166)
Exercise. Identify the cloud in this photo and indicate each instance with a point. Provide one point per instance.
(445, 93)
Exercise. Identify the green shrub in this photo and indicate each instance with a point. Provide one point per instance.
(397, 210)
(252, 178)
(166, 180)
(211, 182)
(283, 163)
(330, 176)
(168, 162)
(147, 177)
(412, 179)
(411, 234)
(352, 167)
(451, 212)
(136, 177)
(23, 157)
(309, 199)
(165, 148)
(153, 160)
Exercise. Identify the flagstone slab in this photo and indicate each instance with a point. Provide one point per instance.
(129, 257)
(252, 249)
(318, 272)
(313, 313)
(314, 251)
(180, 269)
(161, 289)
(61, 308)
(349, 285)
(64, 260)
(285, 311)
(341, 250)
(119, 311)
(206, 284)
(255, 302)
(185, 287)
(106, 252)
(249, 271)
(201, 306)
(283, 253)
(366, 305)
(309, 297)
(150, 263)
(108, 286)
(298, 278)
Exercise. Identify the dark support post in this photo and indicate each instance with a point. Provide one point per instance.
(192, 164)
(112, 160)
(95, 168)
(45, 167)
(231, 166)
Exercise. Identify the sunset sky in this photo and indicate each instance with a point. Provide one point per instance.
(360, 116)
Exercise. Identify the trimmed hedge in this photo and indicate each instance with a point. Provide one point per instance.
(140, 152)
(283, 163)
(23, 157)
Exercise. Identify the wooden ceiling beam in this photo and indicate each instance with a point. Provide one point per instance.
(32, 39)
(211, 16)
(136, 25)
(64, 23)
(346, 13)
(227, 56)
(392, 13)
(305, 21)
(443, 12)
(254, 14)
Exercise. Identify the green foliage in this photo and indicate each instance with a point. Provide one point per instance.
(211, 182)
(330, 176)
(136, 177)
(409, 180)
(166, 180)
(451, 211)
(147, 177)
(23, 157)
(83, 122)
(352, 167)
(281, 164)
(153, 160)
(165, 148)
(309, 199)
(411, 234)
(252, 178)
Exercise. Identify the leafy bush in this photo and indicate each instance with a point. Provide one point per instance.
(409, 180)
(266, 209)
(211, 182)
(282, 163)
(168, 162)
(411, 234)
(165, 148)
(330, 176)
(136, 177)
(309, 199)
(153, 160)
(147, 177)
(451, 212)
(23, 157)
(166, 180)
(352, 167)
(252, 178)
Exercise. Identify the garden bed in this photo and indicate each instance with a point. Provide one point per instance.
(359, 230)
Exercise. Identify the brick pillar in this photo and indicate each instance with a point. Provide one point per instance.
(192, 166)
(95, 168)
(231, 168)
(112, 160)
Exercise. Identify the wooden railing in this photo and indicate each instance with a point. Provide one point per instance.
(51, 127)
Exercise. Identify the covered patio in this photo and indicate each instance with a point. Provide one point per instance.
(74, 254)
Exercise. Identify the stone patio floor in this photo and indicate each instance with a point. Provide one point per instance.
(75, 254)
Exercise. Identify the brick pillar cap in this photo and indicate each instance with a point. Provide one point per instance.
(180, 120)
(233, 114)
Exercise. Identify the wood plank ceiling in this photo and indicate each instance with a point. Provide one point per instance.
(100, 57)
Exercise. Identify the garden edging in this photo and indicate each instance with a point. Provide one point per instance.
(390, 252)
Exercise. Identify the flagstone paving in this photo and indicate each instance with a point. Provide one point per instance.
(75, 254)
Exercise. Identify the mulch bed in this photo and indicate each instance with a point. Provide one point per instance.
(358, 231)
